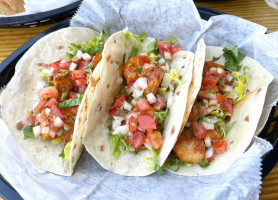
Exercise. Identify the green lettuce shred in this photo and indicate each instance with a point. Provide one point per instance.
(130, 35)
(241, 82)
(71, 102)
(28, 132)
(153, 162)
(174, 41)
(65, 154)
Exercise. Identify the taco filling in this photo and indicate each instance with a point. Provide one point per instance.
(60, 91)
(204, 134)
(136, 121)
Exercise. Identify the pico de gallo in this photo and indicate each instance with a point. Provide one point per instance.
(60, 90)
(138, 112)
(209, 122)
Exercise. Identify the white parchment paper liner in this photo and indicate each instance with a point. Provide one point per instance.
(162, 19)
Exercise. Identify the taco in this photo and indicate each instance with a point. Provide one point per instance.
(225, 107)
(139, 104)
(46, 102)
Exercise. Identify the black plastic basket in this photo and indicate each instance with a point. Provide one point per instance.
(270, 131)
(39, 19)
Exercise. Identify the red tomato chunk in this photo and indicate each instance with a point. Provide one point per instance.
(143, 105)
(219, 146)
(146, 121)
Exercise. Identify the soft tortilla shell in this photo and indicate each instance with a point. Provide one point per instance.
(96, 139)
(246, 114)
(20, 94)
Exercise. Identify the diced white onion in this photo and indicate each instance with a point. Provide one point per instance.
(72, 66)
(207, 142)
(117, 122)
(137, 93)
(131, 89)
(121, 130)
(187, 124)
(212, 70)
(45, 129)
(40, 84)
(167, 55)
(129, 115)
(86, 56)
(167, 67)
(133, 102)
(209, 152)
(207, 125)
(141, 83)
(229, 78)
(147, 146)
(161, 61)
(52, 134)
(148, 65)
(47, 111)
(63, 61)
(213, 102)
(58, 122)
(127, 106)
(228, 88)
(205, 101)
(48, 72)
(151, 98)
(210, 120)
(165, 79)
(79, 54)
(129, 134)
(36, 130)
(207, 95)
(67, 127)
(219, 70)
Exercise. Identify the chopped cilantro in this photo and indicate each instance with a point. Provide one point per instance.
(214, 59)
(142, 36)
(134, 52)
(233, 57)
(28, 132)
(173, 161)
(221, 82)
(50, 84)
(96, 44)
(139, 70)
(204, 164)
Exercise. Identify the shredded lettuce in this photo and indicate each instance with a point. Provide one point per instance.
(204, 164)
(173, 161)
(65, 154)
(153, 162)
(153, 58)
(222, 127)
(160, 116)
(64, 95)
(240, 83)
(96, 44)
(152, 47)
(71, 102)
(130, 35)
(134, 52)
(61, 131)
(56, 140)
(162, 91)
(28, 132)
(69, 56)
(50, 84)
(89, 67)
(142, 36)
(43, 75)
(174, 41)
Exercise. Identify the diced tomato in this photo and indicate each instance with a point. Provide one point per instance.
(225, 76)
(80, 82)
(81, 64)
(143, 105)
(175, 49)
(70, 110)
(199, 130)
(71, 95)
(143, 59)
(50, 102)
(132, 123)
(31, 119)
(120, 100)
(159, 104)
(138, 139)
(40, 106)
(133, 80)
(219, 146)
(56, 111)
(227, 105)
(43, 118)
(163, 46)
(65, 65)
(78, 74)
(146, 121)
(211, 158)
(82, 89)
(116, 111)
(49, 92)
(54, 66)
(210, 80)
(154, 139)
(220, 97)
(53, 128)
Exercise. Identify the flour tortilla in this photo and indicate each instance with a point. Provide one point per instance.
(96, 139)
(246, 114)
(20, 93)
